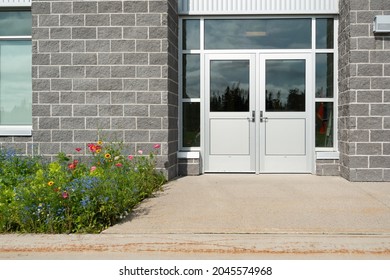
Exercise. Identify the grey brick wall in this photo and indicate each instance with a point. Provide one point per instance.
(327, 167)
(189, 167)
(108, 66)
(364, 83)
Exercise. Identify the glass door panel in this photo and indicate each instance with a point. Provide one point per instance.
(229, 86)
(285, 85)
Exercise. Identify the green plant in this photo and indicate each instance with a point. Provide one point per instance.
(74, 195)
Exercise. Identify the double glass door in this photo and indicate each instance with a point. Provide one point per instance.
(258, 111)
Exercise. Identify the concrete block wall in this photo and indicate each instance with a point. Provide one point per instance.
(189, 167)
(107, 67)
(364, 92)
(327, 167)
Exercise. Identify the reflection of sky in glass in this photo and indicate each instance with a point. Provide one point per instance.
(228, 74)
(191, 34)
(258, 34)
(324, 33)
(15, 82)
(191, 76)
(283, 76)
(324, 75)
(15, 23)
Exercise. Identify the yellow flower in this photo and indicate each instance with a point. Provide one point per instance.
(107, 155)
(50, 183)
(100, 142)
(98, 151)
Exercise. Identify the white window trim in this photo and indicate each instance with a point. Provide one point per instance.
(15, 130)
(328, 155)
(188, 155)
(15, 3)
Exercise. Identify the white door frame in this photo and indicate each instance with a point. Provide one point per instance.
(241, 160)
(257, 159)
(285, 163)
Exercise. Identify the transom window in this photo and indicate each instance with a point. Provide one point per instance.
(257, 33)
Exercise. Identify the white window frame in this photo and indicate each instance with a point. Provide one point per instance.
(321, 153)
(16, 130)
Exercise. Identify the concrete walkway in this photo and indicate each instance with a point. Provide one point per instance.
(234, 216)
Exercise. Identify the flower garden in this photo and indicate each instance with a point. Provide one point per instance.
(83, 194)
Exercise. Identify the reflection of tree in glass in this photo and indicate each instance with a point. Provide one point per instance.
(234, 99)
(295, 101)
(274, 104)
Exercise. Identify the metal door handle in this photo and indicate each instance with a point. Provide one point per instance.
(253, 118)
(262, 118)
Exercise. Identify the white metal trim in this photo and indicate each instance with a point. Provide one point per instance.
(15, 3)
(327, 155)
(188, 155)
(16, 130)
(258, 7)
(317, 153)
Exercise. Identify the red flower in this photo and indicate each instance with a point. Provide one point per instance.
(130, 157)
(156, 146)
(118, 164)
(65, 195)
(73, 165)
(94, 148)
(78, 150)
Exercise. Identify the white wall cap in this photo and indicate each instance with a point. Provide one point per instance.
(258, 7)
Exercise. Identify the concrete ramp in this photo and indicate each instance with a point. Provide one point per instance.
(245, 203)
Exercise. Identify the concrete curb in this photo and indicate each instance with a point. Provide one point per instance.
(196, 246)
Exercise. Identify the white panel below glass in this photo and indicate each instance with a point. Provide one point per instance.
(229, 137)
(285, 137)
(286, 164)
(230, 164)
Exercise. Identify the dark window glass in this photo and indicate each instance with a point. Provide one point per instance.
(191, 124)
(324, 75)
(15, 23)
(258, 34)
(191, 34)
(229, 85)
(285, 85)
(191, 76)
(324, 33)
(324, 124)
